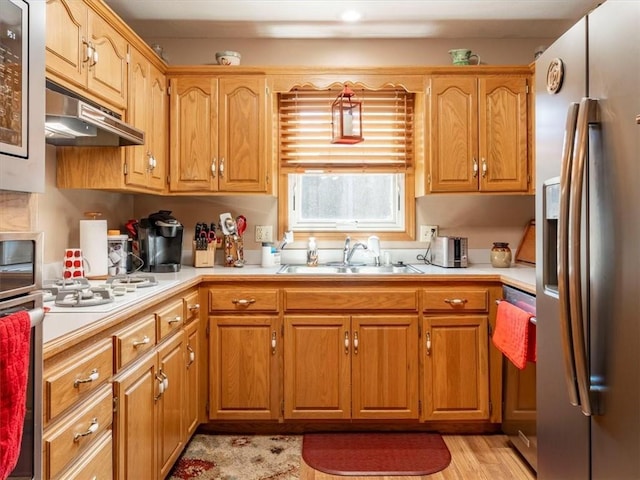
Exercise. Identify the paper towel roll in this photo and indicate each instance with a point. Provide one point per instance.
(93, 243)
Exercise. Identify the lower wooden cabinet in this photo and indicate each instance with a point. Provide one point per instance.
(456, 368)
(96, 463)
(351, 366)
(195, 394)
(136, 425)
(456, 379)
(150, 412)
(244, 381)
(171, 402)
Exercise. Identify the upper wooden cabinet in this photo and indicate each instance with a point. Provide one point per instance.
(478, 137)
(218, 134)
(84, 52)
(148, 110)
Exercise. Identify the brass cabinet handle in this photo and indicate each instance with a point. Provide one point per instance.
(243, 302)
(192, 355)
(475, 167)
(273, 343)
(87, 51)
(213, 167)
(346, 343)
(93, 428)
(355, 342)
(194, 307)
(145, 340)
(93, 376)
(221, 167)
(161, 386)
(175, 319)
(484, 168)
(428, 343)
(455, 301)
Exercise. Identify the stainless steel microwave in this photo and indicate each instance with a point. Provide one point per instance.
(22, 95)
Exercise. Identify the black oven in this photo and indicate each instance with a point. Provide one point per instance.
(20, 283)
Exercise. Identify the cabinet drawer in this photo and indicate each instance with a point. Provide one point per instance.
(351, 299)
(243, 299)
(79, 374)
(96, 463)
(135, 340)
(456, 300)
(170, 318)
(76, 432)
(192, 306)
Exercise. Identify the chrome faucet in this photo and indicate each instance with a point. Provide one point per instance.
(349, 250)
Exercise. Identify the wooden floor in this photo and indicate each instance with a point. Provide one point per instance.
(477, 457)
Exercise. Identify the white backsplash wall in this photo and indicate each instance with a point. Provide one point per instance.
(60, 211)
(348, 52)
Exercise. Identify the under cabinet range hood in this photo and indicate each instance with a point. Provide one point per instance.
(71, 121)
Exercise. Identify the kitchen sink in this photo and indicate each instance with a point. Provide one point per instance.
(398, 269)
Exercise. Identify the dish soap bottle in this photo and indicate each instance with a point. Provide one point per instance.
(312, 253)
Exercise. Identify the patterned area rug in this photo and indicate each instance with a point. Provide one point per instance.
(236, 457)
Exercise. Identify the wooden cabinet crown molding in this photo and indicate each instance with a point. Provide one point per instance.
(283, 79)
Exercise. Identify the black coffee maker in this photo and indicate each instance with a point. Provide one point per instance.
(160, 242)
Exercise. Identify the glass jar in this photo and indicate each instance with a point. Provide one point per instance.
(500, 255)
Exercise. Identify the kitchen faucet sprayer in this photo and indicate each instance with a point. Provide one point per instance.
(286, 239)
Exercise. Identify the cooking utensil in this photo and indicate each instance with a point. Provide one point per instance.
(241, 224)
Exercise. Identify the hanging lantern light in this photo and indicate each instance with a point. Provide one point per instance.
(346, 118)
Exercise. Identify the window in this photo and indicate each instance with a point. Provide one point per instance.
(346, 201)
(347, 188)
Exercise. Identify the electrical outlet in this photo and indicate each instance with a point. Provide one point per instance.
(427, 232)
(264, 233)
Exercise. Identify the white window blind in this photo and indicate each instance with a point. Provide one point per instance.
(387, 128)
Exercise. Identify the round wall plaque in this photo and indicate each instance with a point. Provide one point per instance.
(555, 74)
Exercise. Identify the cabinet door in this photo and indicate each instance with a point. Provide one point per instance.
(171, 367)
(137, 391)
(242, 126)
(385, 366)
(192, 390)
(108, 72)
(456, 367)
(453, 147)
(194, 135)
(66, 40)
(244, 367)
(139, 157)
(317, 367)
(158, 126)
(503, 134)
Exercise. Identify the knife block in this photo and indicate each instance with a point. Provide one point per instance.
(204, 258)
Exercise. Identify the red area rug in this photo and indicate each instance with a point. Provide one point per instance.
(388, 453)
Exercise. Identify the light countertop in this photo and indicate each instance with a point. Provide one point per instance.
(61, 321)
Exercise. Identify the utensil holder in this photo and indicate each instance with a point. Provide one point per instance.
(233, 249)
(204, 258)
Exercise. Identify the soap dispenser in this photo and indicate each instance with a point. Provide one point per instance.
(312, 253)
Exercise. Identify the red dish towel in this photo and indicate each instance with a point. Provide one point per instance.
(15, 335)
(515, 335)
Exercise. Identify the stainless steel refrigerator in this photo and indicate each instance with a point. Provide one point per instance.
(588, 207)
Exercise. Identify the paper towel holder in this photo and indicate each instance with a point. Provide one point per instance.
(92, 215)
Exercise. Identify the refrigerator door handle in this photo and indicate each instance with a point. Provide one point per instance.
(587, 114)
(563, 254)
